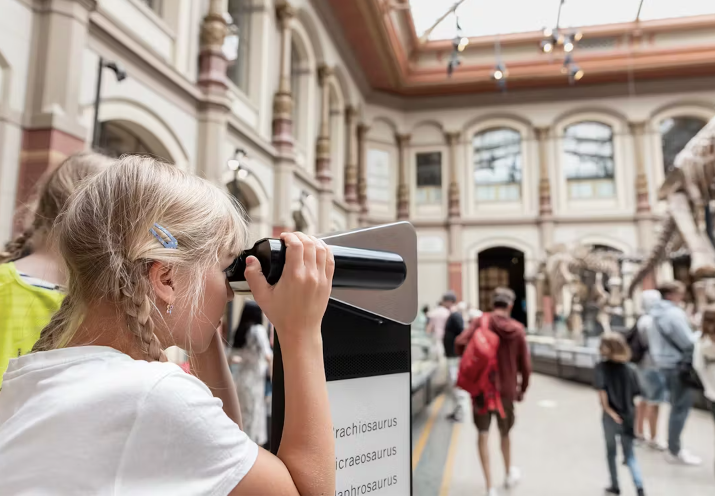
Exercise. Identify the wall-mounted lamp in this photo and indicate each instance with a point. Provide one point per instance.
(240, 173)
(121, 75)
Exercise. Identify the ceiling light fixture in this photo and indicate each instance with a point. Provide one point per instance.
(463, 42)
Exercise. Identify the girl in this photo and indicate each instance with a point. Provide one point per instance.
(31, 273)
(704, 356)
(617, 385)
(97, 410)
(250, 356)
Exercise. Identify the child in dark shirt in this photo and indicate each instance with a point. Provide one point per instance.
(617, 385)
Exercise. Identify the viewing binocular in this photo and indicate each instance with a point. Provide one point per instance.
(355, 268)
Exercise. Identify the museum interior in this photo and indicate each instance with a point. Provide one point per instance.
(564, 149)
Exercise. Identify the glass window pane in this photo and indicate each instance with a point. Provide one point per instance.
(236, 43)
(378, 176)
(588, 151)
(497, 161)
(675, 134)
(429, 169)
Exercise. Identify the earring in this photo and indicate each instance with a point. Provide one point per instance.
(169, 308)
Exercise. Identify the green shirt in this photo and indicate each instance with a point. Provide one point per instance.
(24, 311)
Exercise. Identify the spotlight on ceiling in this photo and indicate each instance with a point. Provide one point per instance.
(499, 72)
(578, 36)
(568, 45)
(575, 73)
(547, 46)
(463, 42)
(548, 32)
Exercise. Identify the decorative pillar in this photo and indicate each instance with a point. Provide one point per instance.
(362, 130)
(52, 127)
(454, 220)
(644, 221)
(283, 99)
(403, 188)
(546, 221)
(351, 169)
(215, 106)
(283, 127)
(322, 152)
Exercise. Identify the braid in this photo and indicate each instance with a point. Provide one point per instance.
(54, 331)
(15, 248)
(137, 308)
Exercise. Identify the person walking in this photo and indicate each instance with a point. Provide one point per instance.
(250, 357)
(512, 381)
(452, 329)
(437, 318)
(670, 343)
(653, 386)
(617, 385)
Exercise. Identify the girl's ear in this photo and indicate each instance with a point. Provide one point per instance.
(161, 277)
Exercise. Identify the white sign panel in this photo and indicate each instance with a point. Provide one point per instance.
(371, 425)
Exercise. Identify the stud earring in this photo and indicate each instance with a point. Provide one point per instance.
(169, 308)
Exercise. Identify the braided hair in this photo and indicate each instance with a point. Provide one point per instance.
(53, 192)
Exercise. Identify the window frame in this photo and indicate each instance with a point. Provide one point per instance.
(594, 182)
(497, 187)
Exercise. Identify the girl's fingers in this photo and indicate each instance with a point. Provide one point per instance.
(308, 250)
(294, 250)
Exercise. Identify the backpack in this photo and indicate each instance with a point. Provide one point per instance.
(478, 372)
(636, 344)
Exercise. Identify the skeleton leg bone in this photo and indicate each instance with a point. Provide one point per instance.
(702, 253)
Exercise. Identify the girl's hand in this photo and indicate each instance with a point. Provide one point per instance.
(297, 303)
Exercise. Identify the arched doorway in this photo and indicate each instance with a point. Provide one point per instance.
(502, 266)
(117, 138)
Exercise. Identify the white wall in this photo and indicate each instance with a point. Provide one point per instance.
(15, 45)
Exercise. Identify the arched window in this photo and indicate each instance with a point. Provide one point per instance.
(675, 133)
(497, 165)
(588, 160)
(237, 42)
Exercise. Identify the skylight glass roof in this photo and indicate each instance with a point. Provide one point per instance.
(491, 17)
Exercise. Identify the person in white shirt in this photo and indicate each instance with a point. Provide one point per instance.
(704, 356)
(437, 318)
(96, 408)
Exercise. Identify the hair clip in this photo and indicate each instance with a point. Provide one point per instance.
(171, 244)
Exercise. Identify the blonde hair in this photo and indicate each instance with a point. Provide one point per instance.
(53, 192)
(104, 237)
(614, 347)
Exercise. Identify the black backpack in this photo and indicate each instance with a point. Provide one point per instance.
(636, 344)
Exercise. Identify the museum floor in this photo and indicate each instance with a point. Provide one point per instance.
(557, 443)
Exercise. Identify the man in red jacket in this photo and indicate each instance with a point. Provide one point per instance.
(514, 367)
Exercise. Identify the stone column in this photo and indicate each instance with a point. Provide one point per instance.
(283, 99)
(454, 220)
(545, 219)
(351, 169)
(403, 188)
(322, 152)
(644, 220)
(362, 130)
(283, 127)
(215, 106)
(52, 122)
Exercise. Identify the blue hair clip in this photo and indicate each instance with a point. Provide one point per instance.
(171, 244)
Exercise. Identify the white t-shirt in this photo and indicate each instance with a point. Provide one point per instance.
(91, 420)
(438, 319)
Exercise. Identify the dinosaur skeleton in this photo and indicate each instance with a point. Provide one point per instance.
(687, 189)
(563, 271)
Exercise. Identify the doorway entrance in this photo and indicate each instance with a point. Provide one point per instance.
(502, 266)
